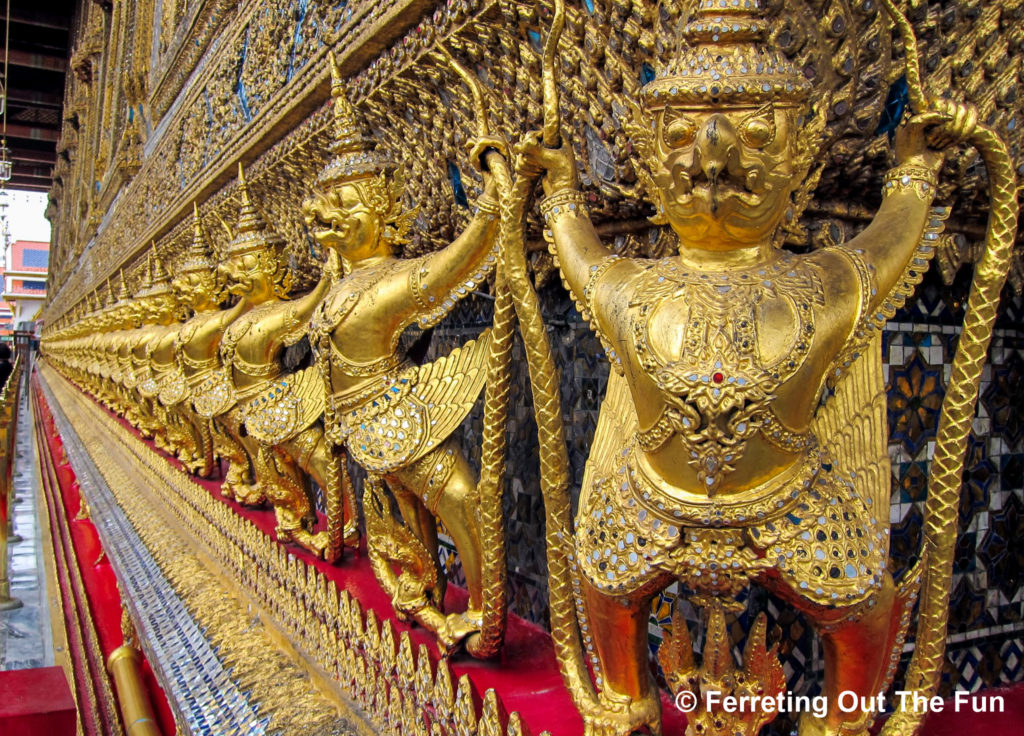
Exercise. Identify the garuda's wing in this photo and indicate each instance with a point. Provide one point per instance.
(852, 426)
(616, 422)
(449, 386)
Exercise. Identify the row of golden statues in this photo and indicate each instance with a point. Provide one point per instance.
(742, 437)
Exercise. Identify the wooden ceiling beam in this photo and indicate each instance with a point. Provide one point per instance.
(35, 98)
(31, 156)
(32, 132)
(30, 60)
(32, 185)
(40, 18)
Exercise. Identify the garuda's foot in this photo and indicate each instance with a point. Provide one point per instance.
(192, 463)
(249, 495)
(620, 715)
(203, 469)
(350, 535)
(456, 628)
(315, 543)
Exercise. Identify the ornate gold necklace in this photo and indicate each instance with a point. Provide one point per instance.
(239, 329)
(720, 390)
(329, 315)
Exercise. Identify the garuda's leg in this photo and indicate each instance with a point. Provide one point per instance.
(201, 430)
(240, 482)
(287, 488)
(441, 485)
(309, 449)
(618, 626)
(858, 641)
(445, 485)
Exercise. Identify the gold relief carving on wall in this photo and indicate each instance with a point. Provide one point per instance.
(610, 46)
(326, 25)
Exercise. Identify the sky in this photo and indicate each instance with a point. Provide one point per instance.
(25, 216)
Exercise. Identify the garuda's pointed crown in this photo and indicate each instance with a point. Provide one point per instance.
(197, 257)
(251, 232)
(157, 282)
(353, 153)
(123, 295)
(725, 58)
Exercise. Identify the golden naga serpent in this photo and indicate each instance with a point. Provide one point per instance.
(513, 195)
(544, 382)
(494, 442)
(961, 398)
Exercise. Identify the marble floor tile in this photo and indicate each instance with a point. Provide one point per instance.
(25, 637)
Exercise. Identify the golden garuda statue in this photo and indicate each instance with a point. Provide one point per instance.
(159, 318)
(207, 394)
(192, 352)
(280, 413)
(742, 438)
(395, 418)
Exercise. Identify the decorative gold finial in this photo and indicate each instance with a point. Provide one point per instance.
(123, 294)
(354, 154)
(197, 257)
(158, 281)
(727, 58)
(251, 231)
(147, 273)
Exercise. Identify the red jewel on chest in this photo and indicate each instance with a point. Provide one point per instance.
(717, 377)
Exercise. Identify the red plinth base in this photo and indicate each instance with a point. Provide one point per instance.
(36, 702)
(992, 712)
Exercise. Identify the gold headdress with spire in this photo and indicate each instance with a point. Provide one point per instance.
(157, 281)
(354, 154)
(197, 257)
(123, 294)
(252, 232)
(110, 298)
(725, 58)
(147, 275)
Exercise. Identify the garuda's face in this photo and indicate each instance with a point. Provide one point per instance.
(160, 307)
(340, 220)
(725, 175)
(195, 289)
(245, 275)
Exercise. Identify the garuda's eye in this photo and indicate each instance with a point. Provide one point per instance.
(678, 131)
(757, 130)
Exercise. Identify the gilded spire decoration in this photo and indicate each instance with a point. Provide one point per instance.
(147, 274)
(197, 257)
(157, 281)
(354, 153)
(123, 295)
(251, 232)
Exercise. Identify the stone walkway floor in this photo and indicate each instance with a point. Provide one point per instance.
(25, 637)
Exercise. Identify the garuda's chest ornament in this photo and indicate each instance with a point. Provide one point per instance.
(720, 390)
